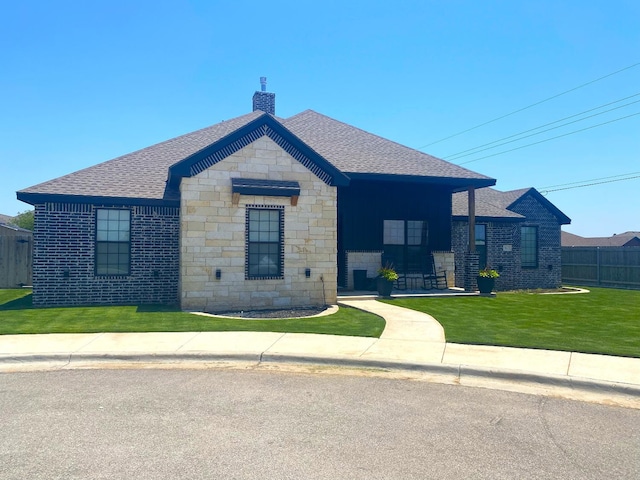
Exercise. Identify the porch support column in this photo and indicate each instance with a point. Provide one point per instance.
(472, 259)
(472, 219)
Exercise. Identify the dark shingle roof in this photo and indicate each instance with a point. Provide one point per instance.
(493, 203)
(353, 150)
(490, 203)
(143, 174)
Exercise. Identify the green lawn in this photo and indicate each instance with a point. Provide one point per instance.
(603, 321)
(18, 316)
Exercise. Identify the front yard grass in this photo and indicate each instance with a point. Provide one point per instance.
(605, 321)
(17, 316)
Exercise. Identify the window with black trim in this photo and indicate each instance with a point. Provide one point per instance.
(405, 243)
(481, 244)
(113, 242)
(265, 249)
(529, 246)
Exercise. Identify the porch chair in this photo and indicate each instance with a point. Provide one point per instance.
(432, 278)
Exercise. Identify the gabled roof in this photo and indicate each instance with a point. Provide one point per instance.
(263, 125)
(494, 204)
(620, 240)
(333, 150)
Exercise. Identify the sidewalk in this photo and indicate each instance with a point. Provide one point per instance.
(412, 341)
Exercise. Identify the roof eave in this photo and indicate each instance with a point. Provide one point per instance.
(39, 198)
(556, 212)
(457, 184)
(480, 218)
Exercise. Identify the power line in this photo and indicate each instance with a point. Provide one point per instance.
(544, 131)
(592, 180)
(530, 106)
(545, 192)
(551, 138)
(449, 157)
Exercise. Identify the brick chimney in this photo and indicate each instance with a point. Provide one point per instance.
(264, 100)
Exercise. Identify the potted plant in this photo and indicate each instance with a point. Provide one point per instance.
(386, 276)
(487, 279)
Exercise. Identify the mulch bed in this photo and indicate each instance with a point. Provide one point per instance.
(274, 314)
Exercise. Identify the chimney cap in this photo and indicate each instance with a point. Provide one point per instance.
(263, 84)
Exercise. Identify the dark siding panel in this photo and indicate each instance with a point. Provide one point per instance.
(364, 206)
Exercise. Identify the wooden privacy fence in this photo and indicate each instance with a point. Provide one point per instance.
(16, 251)
(606, 266)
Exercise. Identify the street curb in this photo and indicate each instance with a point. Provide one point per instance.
(458, 373)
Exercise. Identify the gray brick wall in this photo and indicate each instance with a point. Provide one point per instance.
(64, 237)
(548, 274)
(503, 249)
(265, 101)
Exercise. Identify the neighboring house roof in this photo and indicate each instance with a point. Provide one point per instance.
(152, 174)
(494, 204)
(626, 239)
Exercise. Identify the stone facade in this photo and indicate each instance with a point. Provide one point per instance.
(64, 257)
(445, 262)
(368, 260)
(503, 248)
(213, 226)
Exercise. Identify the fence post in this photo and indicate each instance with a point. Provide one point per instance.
(598, 265)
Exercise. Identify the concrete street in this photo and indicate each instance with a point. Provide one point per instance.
(242, 424)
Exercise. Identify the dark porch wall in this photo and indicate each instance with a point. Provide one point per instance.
(64, 238)
(364, 205)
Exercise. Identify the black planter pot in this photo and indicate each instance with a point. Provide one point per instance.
(485, 285)
(384, 287)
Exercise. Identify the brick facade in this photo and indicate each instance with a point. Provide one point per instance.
(503, 248)
(64, 257)
(213, 226)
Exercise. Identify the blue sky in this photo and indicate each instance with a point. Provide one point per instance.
(85, 81)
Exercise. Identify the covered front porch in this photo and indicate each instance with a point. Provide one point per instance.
(407, 225)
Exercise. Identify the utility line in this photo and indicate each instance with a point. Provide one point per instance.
(551, 138)
(540, 132)
(449, 157)
(592, 180)
(530, 106)
(544, 192)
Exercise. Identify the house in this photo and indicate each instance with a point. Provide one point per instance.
(254, 212)
(626, 239)
(516, 232)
